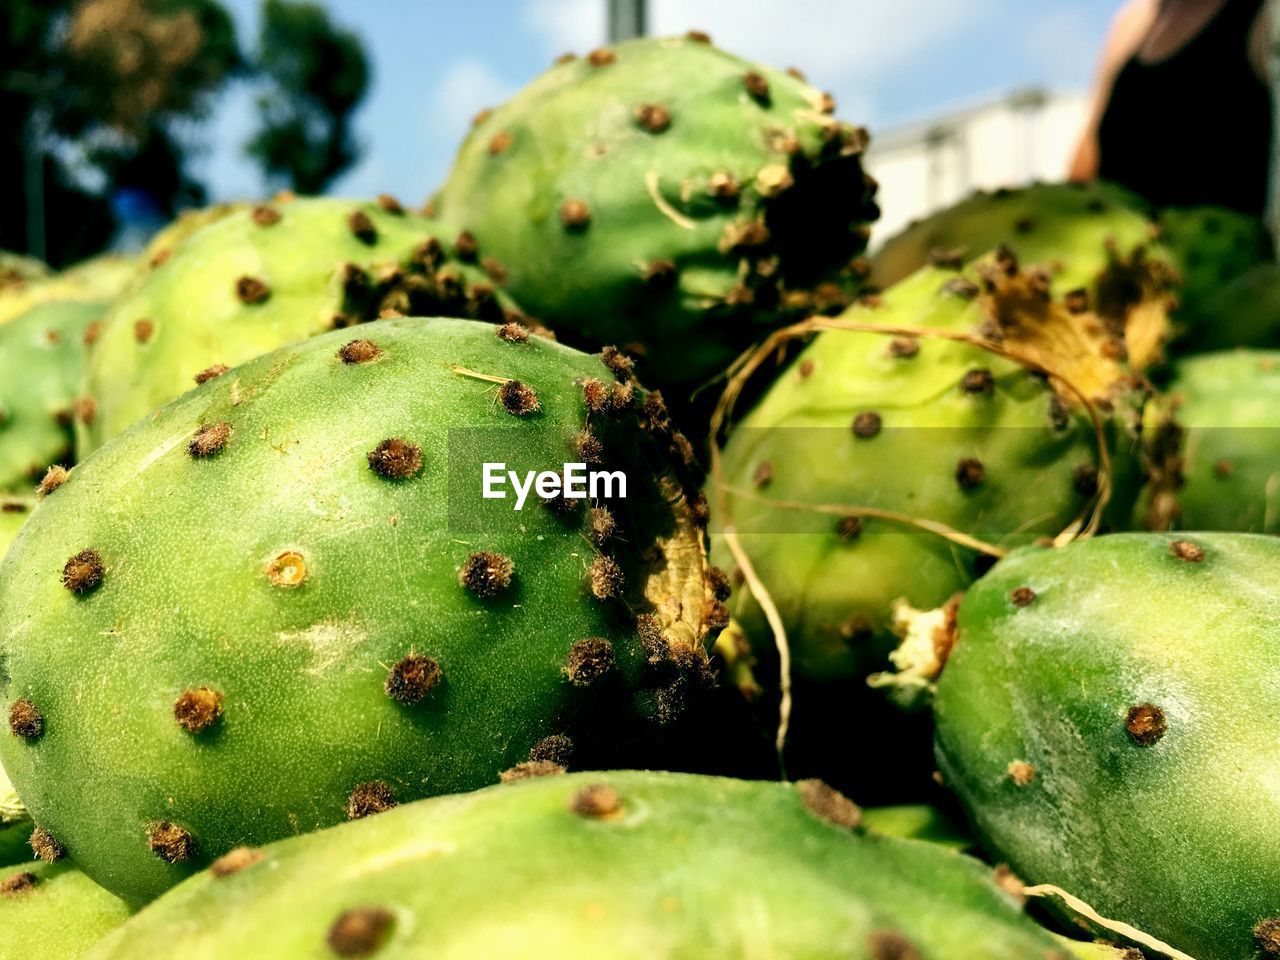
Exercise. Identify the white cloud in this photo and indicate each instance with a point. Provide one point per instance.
(567, 26)
(831, 41)
(466, 87)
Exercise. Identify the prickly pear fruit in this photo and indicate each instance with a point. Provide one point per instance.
(18, 269)
(42, 356)
(1214, 442)
(161, 246)
(873, 463)
(1094, 239)
(581, 866)
(52, 911)
(1106, 717)
(1098, 950)
(918, 821)
(666, 195)
(13, 514)
(283, 600)
(1209, 247)
(1242, 313)
(15, 824)
(256, 279)
(98, 279)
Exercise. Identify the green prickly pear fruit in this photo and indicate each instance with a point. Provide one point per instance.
(1242, 313)
(15, 824)
(52, 911)
(1209, 247)
(18, 269)
(1095, 240)
(283, 599)
(582, 866)
(918, 821)
(42, 356)
(666, 195)
(1115, 736)
(1098, 950)
(876, 467)
(98, 279)
(13, 514)
(254, 279)
(162, 244)
(1214, 444)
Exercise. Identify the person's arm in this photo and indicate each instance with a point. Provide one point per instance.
(1128, 28)
(1260, 44)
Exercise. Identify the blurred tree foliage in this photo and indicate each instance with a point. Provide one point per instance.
(100, 97)
(316, 75)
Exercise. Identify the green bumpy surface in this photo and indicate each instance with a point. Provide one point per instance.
(13, 514)
(314, 271)
(15, 824)
(54, 912)
(665, 264)
(42, 357)
(1242, 313)
(656, 865)
(16, 269)
(835, 588)
(918, 821)
(1226, 407)
(98, 279)
(1209, 247)
(1136, 688)
(287, 577)
(1047, 223)
(1092, 237)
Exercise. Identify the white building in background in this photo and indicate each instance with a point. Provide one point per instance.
(1027, 135)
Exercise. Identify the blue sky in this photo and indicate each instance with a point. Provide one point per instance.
(436, 62)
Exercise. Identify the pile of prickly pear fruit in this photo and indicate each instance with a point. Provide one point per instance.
(379, 582)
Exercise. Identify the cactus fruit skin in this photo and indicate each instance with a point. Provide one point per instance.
(918, 821)
(18, 269)
(15, 825)
(868, 420)
(162, 244)
(1242, 313)
(52, 911)
(1215, 443)
(1141, 708)
(1042, 223)
(254, 279)
(1098, 950)
(582, 866)
(13, 514)
(278, 594)
(668, 196)
(1092, 237)
(97, 279)
(1209, 247)
(42, 356)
